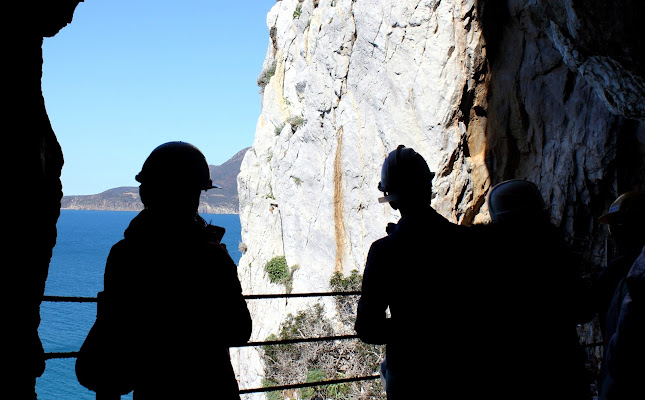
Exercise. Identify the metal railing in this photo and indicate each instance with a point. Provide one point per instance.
(74, 354)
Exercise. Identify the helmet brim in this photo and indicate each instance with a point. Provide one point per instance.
(608, 218)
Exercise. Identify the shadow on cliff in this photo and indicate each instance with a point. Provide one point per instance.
(538, 105)
(548, 123)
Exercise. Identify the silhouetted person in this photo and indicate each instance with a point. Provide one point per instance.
(172, 303)
(624, 362)
(412, 272)
(626, 220)
(535, 299)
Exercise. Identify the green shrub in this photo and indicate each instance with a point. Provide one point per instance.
(275, 395)
(278, 129)
(296, 121)
(297, 12)
(313, 375)
(320, 361)
(339, 283)
(277, 270)
(266, 75)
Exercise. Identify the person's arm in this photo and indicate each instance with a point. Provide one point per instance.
(234, 311)
(372, 324)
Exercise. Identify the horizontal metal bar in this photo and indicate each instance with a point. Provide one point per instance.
(291, 295)
(309, 384)
(69, 299)
(76, 299)
(299, 340)
(61, 354)
(72, 354)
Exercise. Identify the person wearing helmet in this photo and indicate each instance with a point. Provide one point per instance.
(535, 298)
(411, 272)
(625, 219)
(172, 302)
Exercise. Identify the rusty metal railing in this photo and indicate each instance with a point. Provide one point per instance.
(74, 354)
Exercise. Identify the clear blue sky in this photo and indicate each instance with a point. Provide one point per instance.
(128, 75)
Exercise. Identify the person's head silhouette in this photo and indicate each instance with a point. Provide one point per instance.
(172, 178)
(516, 202)
(406, 180)
(626, 220)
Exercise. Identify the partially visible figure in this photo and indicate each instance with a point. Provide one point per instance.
(536, 299)
(623, 366)
(626, 220)
(413, 272)
(172, 303)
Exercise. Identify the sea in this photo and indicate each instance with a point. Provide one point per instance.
(76, 269)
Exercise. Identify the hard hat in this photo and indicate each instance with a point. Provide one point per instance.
(627, 207)
(176, 164)
(405, 174)
(514, 198)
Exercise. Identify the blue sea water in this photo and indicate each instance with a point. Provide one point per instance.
(76, 269)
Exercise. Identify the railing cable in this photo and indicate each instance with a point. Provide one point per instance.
(79, 299)
(309, 384)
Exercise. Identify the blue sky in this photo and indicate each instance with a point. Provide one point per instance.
(128, 75)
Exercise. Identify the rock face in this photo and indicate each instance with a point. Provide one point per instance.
(485, 91)
(33, 162)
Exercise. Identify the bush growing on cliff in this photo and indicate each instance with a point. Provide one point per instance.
(346, 305)
(277, 269)
(297, 12)
(266, 75)
(317, 361)
(279, 272)
(296, 121)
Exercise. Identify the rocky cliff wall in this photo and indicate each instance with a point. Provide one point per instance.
(485, 91)
(33, 162)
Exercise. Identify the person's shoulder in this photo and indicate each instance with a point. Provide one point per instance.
(636, 276)
(383, 244)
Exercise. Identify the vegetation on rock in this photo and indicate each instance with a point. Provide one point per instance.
(319, 361)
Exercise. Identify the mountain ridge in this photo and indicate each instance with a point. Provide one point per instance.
(126, 198)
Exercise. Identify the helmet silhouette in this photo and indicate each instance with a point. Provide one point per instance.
(627, 208)
(176, 164)
(405, 175)
(515, 199)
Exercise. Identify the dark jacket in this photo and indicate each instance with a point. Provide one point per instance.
(171, 307)
(415, 273)
(623, 367)
(533, 301)
(609, 290)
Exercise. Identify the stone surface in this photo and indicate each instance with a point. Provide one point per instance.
(485, 91)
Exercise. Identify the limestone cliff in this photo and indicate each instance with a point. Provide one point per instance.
(485, 91)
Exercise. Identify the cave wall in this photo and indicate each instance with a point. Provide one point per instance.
(565, 106)
(32, 188)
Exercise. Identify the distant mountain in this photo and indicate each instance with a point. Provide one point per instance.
(126, 198)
